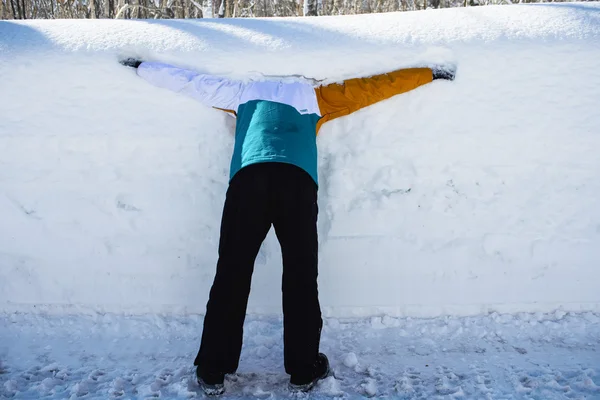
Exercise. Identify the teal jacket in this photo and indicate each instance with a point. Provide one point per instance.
(277, 121)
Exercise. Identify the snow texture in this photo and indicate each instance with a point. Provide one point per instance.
(455, 199)
(497, 356)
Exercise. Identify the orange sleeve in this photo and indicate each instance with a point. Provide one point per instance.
(337, 100)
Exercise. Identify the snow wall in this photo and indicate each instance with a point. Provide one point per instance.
(457, 198)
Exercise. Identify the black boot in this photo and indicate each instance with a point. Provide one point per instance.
(305, 382)
(211, 384)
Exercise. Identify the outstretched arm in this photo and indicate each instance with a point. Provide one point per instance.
(210, 90)
(337, 100)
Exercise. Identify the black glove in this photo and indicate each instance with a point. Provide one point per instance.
(447, 72)
(131, 62)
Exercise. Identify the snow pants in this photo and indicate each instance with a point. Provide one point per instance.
(259, 196)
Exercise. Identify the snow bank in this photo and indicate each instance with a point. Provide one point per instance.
(459, 197)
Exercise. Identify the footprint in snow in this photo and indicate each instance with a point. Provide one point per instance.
(520, 350)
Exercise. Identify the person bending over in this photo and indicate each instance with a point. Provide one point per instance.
(273, 181)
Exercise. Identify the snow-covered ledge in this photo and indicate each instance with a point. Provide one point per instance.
(458, 198)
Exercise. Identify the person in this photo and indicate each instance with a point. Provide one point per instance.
(273, 181)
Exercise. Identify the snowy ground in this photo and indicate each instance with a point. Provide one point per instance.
(524, 356)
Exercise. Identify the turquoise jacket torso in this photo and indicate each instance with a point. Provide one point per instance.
(267, 131)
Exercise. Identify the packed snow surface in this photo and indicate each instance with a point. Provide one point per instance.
(497, 356)
(457, 198)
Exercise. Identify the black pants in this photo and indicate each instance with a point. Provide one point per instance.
(260, 195)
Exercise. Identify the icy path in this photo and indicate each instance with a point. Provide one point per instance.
(527, 356)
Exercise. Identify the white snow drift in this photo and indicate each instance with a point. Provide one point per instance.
(457, 198)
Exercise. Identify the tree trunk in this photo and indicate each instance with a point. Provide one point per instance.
(105, 9)
(310, 8)
(18, 15)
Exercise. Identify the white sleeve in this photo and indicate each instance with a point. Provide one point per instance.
(210, 90)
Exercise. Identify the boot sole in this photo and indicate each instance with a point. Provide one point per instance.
(211, 390)
(309, 386)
